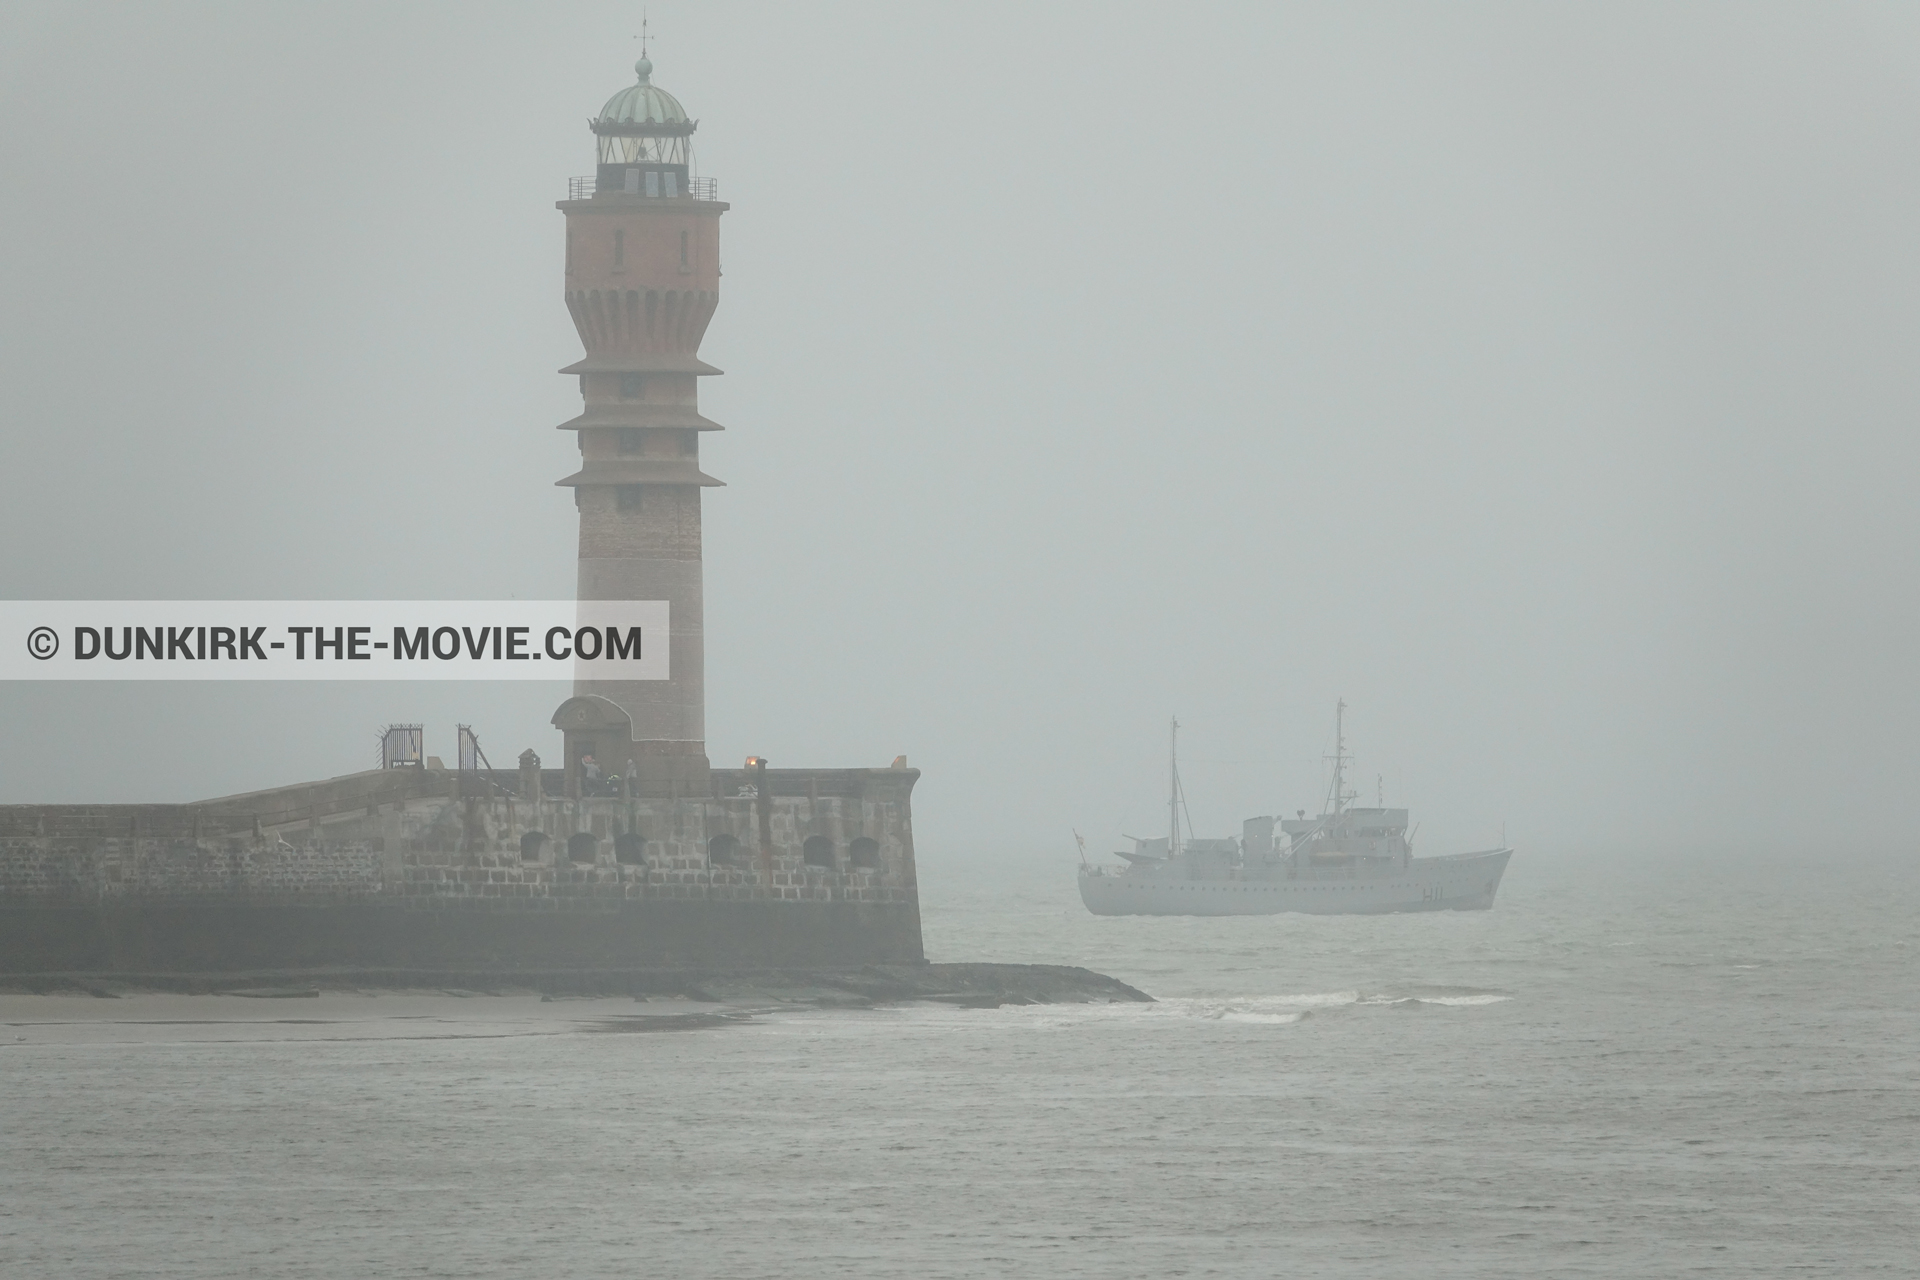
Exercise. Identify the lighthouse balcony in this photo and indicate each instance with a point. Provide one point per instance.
(659, 182)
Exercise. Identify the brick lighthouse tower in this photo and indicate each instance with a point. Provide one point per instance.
(642, 282)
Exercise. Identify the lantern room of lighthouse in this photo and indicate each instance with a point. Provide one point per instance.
(645, 141)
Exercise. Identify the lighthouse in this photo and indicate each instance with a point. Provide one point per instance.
(490, 869)
(642, 282)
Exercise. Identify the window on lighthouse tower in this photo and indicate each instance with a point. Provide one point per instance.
(619, 248)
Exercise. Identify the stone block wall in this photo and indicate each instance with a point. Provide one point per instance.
(447, 843)
(64, 870)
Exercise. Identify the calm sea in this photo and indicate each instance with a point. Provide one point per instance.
(1627, 1068)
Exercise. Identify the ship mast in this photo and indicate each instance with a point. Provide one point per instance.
(1173, 789)
(1340, 793)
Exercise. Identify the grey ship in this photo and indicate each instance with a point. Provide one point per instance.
(1347, 861)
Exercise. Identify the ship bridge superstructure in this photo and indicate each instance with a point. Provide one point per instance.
(1352, 838)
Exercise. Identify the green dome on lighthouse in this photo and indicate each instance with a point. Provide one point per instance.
(642, 131)
(643, 103)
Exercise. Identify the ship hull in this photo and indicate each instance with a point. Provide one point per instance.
(1461, 882)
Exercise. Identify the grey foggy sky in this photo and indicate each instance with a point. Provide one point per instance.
(1539, 378)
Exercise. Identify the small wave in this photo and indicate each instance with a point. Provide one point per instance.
(1448, 996)
(1413, 995)
(1277, 1011)
(1320, 1000)
(1267, 1010)
(1407, 1002)
(1282, 1010)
